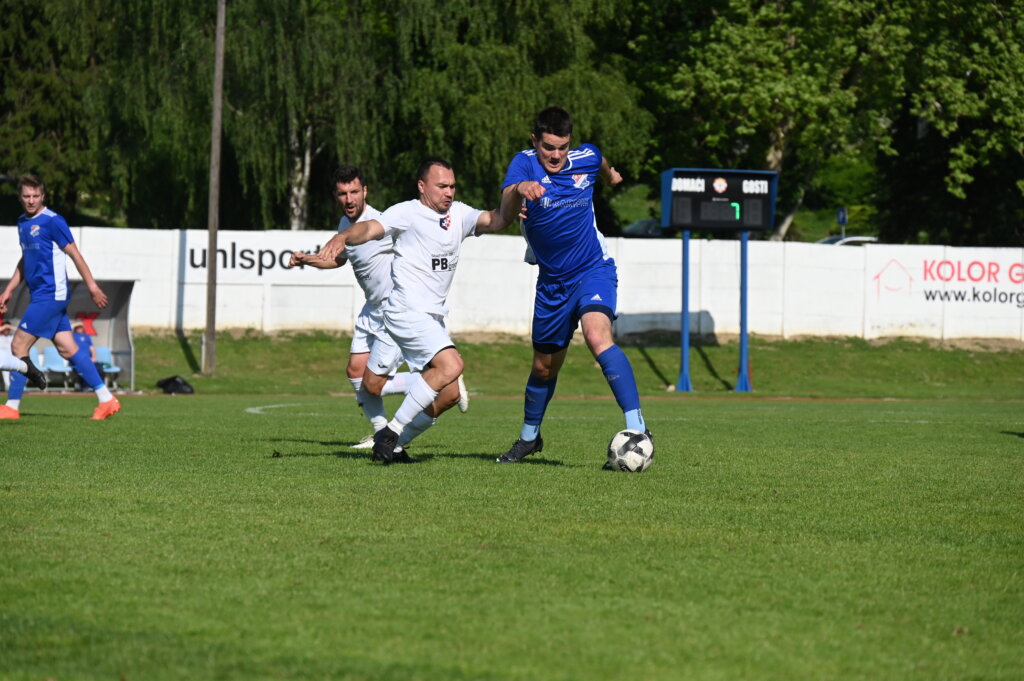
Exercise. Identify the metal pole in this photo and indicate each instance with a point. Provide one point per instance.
(683, 384)
(743, 376)
(213, 208)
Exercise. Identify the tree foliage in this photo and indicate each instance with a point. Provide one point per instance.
(112, 100)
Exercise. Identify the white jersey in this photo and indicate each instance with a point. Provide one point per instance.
(427, 246)
(371, 262)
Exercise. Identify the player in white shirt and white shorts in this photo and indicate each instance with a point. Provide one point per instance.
(371, 265)
(428, 234)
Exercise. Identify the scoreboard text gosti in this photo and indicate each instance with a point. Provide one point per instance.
(734, 200)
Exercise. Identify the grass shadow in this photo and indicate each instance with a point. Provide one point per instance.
(711, 367)
(1010, 432)
(276, 454)
(186, 351)
(653, 365)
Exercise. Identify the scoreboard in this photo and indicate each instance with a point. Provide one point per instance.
(708, 199)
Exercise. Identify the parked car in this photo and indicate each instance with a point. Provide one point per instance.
(649, 228)
(839, 240)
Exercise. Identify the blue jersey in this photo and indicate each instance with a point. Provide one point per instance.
(43, 239)
(82, 340)
(560, 226)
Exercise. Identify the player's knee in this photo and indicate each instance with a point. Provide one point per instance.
(20, 349)
(544, 370)
(357, 364)
(455, 370)
(598, 339)
(597, 331)
(374, 384)
(445, 400)
(448, 364)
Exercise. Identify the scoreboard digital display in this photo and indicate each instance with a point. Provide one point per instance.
(708, 199)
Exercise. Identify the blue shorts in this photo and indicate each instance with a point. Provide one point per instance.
(558, 307)
(46, 318)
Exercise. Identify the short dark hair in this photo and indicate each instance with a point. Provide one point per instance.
(345, 174)
(430, 162)
(29, 180)
(553, 120)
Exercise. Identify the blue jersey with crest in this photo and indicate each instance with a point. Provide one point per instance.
(43, 239)
(560, 226)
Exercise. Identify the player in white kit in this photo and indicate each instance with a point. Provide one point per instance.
(371, 265)
(428, 234)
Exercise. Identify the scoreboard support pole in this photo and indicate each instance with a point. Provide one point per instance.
(743, 374)
(683, 384)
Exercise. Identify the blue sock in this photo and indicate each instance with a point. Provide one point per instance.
(538, 394)
(86, 369)
(17, 387)
(619, 374)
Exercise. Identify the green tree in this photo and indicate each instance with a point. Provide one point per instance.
(149, 104)
(472, 75)
(43, 115)
(304, 80)
(956, 174)
(781, 86)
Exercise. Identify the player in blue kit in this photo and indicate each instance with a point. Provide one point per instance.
(46, 245)
(577, 283)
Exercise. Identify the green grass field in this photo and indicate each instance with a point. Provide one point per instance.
(237, 536)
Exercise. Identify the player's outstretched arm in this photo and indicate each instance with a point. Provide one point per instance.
(8, 291)
(97, 294)
(311, 259)
(359, 233)
(527, 189)
(491, 221)
(609, 174)
(513, 204)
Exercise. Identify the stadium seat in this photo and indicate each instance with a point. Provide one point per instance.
(110, 370)
(55, 365)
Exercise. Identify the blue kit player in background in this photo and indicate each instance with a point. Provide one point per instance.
(46, 245)
(578, 282)
(84, 342)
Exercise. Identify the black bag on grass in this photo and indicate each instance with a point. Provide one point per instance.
(175, 385)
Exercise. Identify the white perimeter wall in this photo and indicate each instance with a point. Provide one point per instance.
(796, 289)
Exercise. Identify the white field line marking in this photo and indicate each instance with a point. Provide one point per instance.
(260, 410)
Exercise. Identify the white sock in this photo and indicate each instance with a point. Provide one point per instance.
(12, 363)
(372, 405)
(398, 384)
(416, 427)
(14, 404)
(418, 398)
(103, 394)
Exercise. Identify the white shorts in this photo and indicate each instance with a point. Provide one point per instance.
(420, 335)
(371, 336)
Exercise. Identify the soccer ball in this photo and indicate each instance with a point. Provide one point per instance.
(630, 451)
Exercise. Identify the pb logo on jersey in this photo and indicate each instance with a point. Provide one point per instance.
(581, 181)
(446, 222)
(440, 264)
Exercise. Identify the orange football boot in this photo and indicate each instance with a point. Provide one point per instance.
(106, 409)
(8, 413)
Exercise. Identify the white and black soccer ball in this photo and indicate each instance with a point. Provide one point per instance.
(630, 451)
